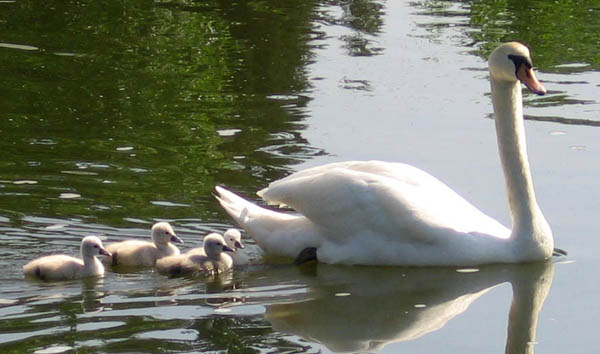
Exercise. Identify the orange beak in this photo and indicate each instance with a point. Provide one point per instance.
(527, 77)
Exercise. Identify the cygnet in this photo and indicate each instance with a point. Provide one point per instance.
(63, 267)
(210, 259)
(144, 253)
(233, 239)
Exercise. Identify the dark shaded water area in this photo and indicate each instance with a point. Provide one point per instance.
(114, 115)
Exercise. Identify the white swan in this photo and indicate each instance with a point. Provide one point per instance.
(378, 213)
(209, 259)
(144, 253)
(63, 267)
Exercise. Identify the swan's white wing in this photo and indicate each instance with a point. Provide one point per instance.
(390, 199)
(399, 171)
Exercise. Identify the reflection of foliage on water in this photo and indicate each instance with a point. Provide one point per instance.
(559, 31)
(125, 104)
(242, 335)
(365, 17)
(122, 103)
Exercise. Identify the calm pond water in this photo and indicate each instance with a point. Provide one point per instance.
(117, 114)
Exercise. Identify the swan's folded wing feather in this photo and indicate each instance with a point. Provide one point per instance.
(389, 199)
(402, 172)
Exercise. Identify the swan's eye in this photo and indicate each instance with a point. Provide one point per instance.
(519, 60)
(95, 246)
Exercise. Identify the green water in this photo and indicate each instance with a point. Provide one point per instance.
(114, 115)
(139, 102)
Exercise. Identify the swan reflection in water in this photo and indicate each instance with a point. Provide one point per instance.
(350, 309)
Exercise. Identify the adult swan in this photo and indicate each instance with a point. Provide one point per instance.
(379, 213)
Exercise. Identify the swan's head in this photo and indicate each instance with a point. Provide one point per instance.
(92, 246)
(233, 238)
(214, 244)
(512, 62)
(162, 233)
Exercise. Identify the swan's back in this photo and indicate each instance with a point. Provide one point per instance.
(389, 198)
(370, 213)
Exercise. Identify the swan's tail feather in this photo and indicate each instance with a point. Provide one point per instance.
(275, 232)
(237, 207)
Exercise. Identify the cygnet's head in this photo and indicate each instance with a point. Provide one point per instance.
(92, 246)
(214, 244)
(512, 62)
(233, 239)
(162, 233)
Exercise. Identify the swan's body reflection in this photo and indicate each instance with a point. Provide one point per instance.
(353, 309)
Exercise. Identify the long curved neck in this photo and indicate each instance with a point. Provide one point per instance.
(529, 223)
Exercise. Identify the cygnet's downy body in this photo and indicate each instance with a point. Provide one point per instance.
(63, 267)
(233, 239)
(211, 259)
(144, 253)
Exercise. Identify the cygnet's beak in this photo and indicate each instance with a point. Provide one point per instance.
(104, 252)
(175, 239)
(227, 249)
(238, 244)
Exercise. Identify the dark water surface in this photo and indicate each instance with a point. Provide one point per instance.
(114, 115)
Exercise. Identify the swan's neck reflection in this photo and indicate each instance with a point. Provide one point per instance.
(530, 290)
(353, 309)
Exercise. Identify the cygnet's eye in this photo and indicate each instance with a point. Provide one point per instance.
(95, 246)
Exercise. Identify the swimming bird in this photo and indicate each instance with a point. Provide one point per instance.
(383, 213)
(210, 259)
(233, 239)
(63, 267)
(144, 253)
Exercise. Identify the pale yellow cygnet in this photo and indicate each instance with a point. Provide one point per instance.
(210, 259)
(63, 267)
(145, 253)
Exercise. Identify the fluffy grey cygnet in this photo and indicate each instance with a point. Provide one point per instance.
(145, 253)
(210, 259)
(63, 267)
